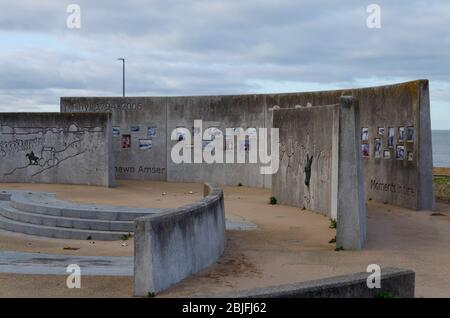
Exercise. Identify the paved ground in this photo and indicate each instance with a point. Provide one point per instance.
(50, 264)
(289, 245)
(56, 264)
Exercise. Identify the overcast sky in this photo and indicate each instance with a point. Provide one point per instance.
(219, 47)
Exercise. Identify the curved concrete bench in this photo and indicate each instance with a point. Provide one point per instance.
(41, 214)
(7, 211)
(177, 243)
(46, 203)
(4, 195)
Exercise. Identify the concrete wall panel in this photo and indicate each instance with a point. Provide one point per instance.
(56, 148)
(306, 133)
(220, 112)
(141, 121)
(405, 182)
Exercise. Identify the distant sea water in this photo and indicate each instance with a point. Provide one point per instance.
(441, 148)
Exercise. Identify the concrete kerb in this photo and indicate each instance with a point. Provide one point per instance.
(177, 243)
(394, 282)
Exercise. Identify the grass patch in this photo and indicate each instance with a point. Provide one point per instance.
(441, 180)
(442, 188)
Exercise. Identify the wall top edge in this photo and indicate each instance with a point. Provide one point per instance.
(408, 83)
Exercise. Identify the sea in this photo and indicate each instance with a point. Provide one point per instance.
(441, 148)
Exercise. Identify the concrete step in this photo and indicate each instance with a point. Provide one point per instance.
(5, 195)
(47, 204)
(58, 232)
(7, 211)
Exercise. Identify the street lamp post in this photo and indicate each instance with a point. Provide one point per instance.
(123, 74)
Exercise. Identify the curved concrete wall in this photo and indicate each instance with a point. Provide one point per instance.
(307, 133)
(70, 148)
(175, 244)
(407, 183)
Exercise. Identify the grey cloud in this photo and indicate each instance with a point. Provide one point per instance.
(218, 47)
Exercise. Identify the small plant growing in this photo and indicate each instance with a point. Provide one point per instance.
(273, 200)
(151, 295)
(333, 223)
(333, 240)
(126, 237)
(239, 184)
(340, 248)
(89, 238)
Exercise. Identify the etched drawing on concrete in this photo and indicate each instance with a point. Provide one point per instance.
(51, 148)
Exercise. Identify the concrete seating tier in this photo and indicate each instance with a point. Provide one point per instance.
(41, 214)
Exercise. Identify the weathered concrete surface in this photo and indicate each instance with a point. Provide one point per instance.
(52, 264)
(425, 198)
(351, 207)
(320, 166)
(166, 114)
(306, 133)
(400, 182)
(219, 112)
(131, 116)
(173, 245)
(46, 203)
(56, 148)
(41, 214)
(395, 282)
(5, 195)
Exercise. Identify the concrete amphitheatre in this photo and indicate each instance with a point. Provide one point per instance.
(98, 179)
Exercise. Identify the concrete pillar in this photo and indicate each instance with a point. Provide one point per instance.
(351, 209)
(426, 198)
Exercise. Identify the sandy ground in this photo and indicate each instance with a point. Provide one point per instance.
(289, 245)
(53, 286)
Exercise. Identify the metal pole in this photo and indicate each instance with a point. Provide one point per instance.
(123, 75)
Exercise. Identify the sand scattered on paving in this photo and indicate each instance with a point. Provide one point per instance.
(290, 244)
